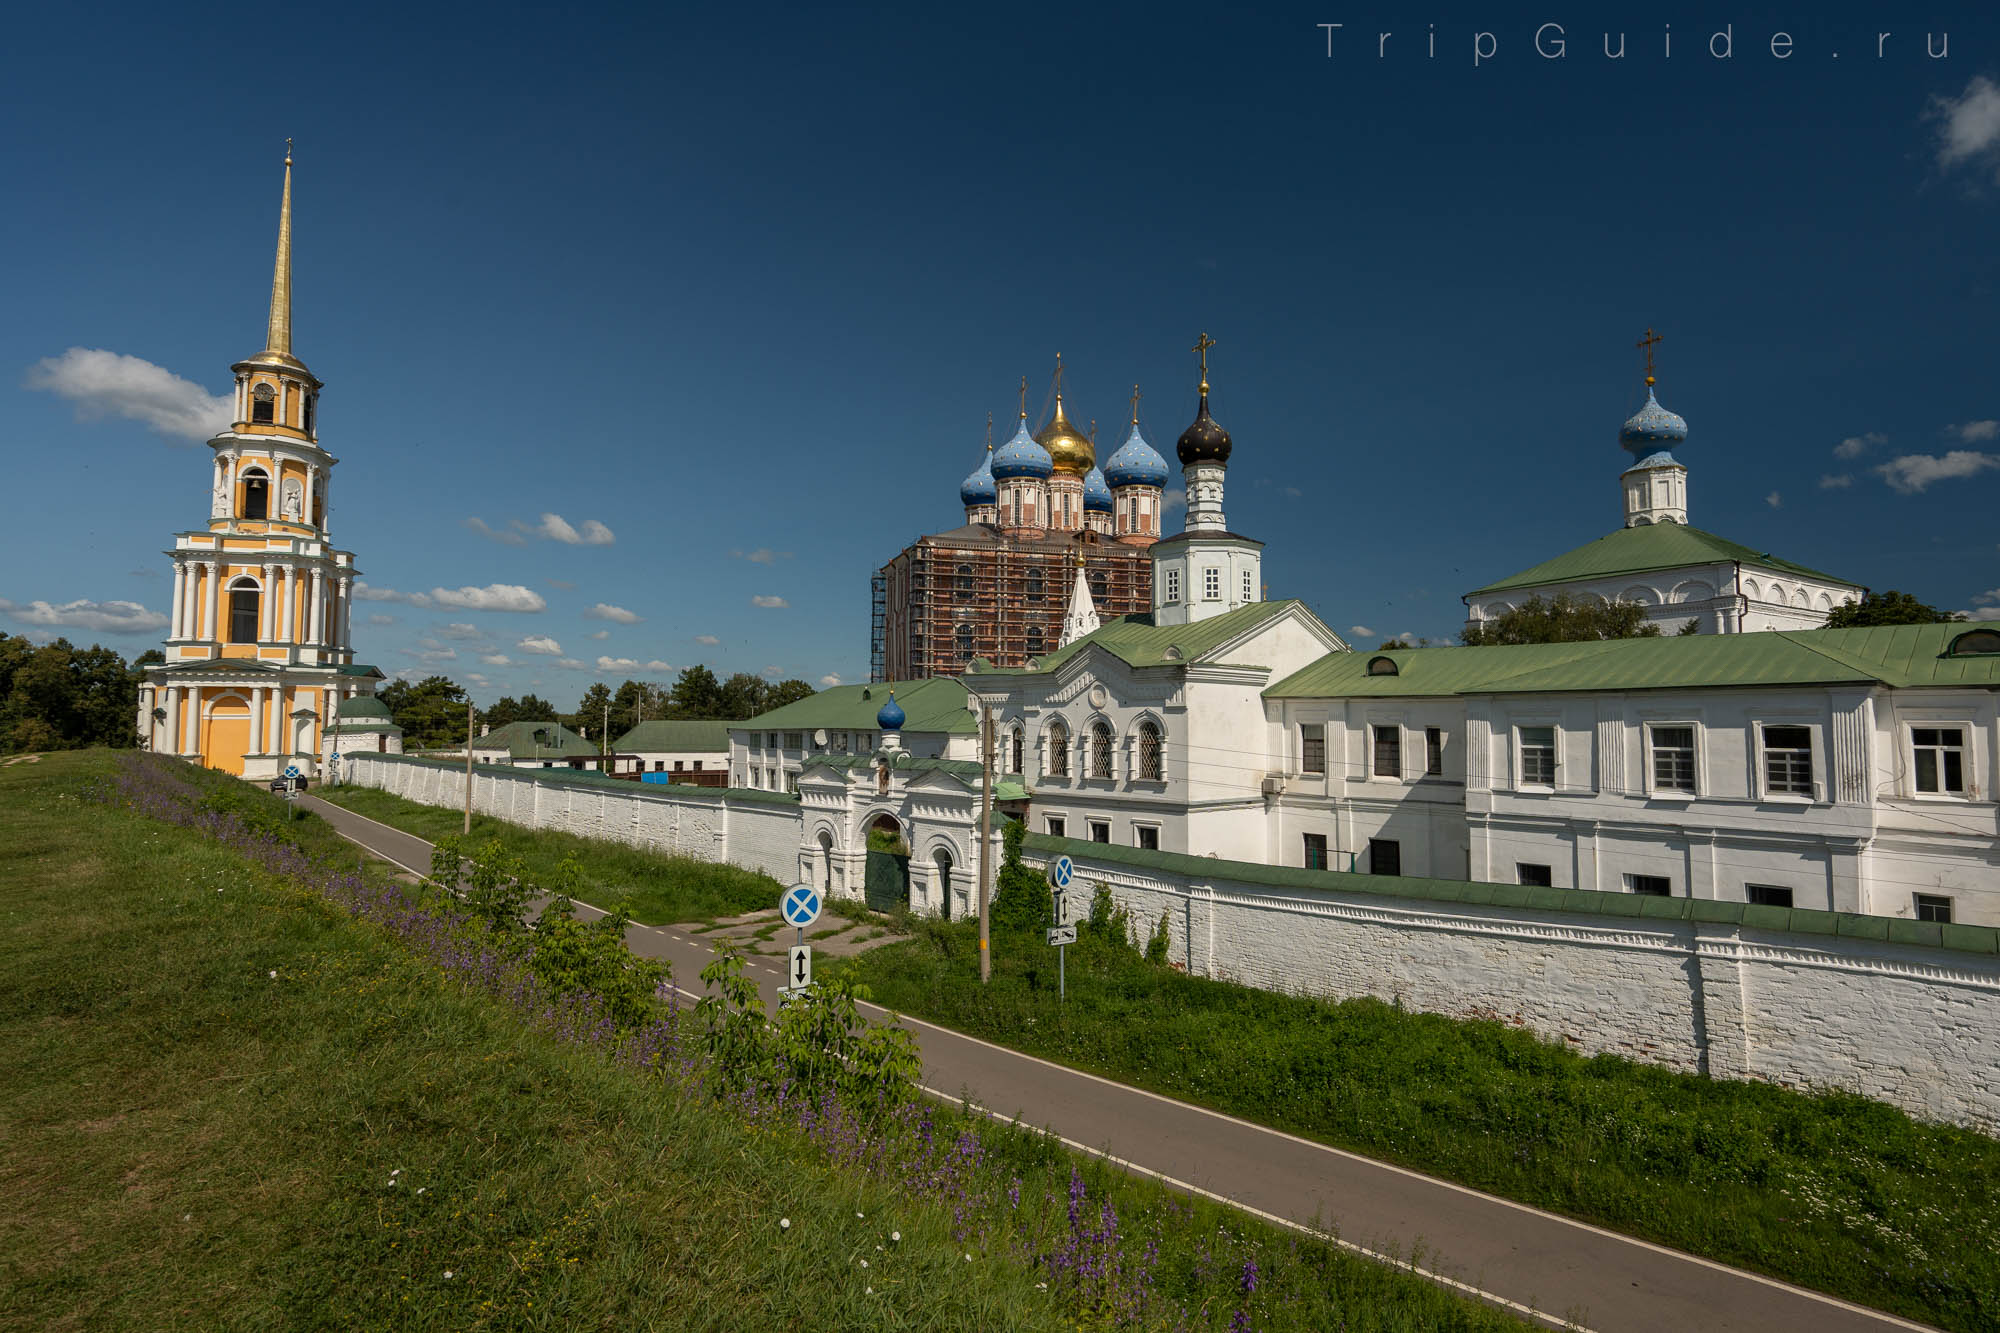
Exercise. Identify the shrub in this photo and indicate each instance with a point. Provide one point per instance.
(1162, 939)
(571, 957)
(1021, 900)
(1108, 922)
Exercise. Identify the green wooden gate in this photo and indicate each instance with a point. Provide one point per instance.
(886, 884)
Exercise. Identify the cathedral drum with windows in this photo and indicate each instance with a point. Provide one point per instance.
(259, 649)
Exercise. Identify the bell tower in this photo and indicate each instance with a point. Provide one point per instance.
(259, 649)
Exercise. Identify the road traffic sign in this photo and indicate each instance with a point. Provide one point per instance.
(1062, 935)
(1061, 871)
(291, 770)
(799, 969)
(800, 905)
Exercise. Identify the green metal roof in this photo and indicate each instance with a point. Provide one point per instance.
(1900, 656)
(928, 705)
(571, 777)
(363, 705)
(1637, 550)
(1137, 641)
(520, 741)
(966, 771)
(694, 736)
(1593, 902)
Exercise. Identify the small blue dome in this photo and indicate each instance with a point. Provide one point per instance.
(1022, 457)
(891, 717)
(1136, 463)
(1096, 494)
(1652, 429)
(978, 489)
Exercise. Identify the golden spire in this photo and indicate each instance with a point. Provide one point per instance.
(1059, 377)
(1648, 342)
(1093, 432)
(1201, 346)
(1024, 397)
(1135, 406)
(278, 337)
(989, 432)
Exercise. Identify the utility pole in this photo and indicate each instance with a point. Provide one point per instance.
(468, 765)
(985, 836)
(604, 741)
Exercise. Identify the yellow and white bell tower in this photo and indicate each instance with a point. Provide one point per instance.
(259, 648)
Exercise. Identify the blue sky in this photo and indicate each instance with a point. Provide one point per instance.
(741, 287)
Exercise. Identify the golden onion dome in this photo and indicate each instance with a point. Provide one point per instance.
(1068, 449)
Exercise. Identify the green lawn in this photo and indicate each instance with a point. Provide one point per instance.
(654, 889)
(1834, 1192)
(227, 1104)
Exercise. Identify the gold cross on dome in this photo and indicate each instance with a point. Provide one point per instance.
(1201, 346)
(1650, 341)
(1024, 397)
(989, 432)
(1135, 404)
(288, 152)
(1058, 374)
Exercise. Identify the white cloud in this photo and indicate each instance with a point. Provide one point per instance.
(557, 529)
(1294, 492)
(492, 597)
(770, 603)
(477, 679)
(1172, 498)
(460, 630)
(430, 650)
(773, 673)
(1975, 432)
(104, 617)
(1912, 473)
(1362, 630)
(617, 614)
(617, 664)
(1835, 481)
(1856, 445)
(496, 659)
(541, 644)
(379, 619)
(110, 384)
(828, 681)
(763, 555)
(707, 640)
(1970, 128)
(571, 664)
(506, 538)
(601, 635)
(1983, 613)
(1774, 500)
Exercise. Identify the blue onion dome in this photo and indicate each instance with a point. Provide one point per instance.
(1096, 492)
(1205, 441)
(1021, 457)
(1135, 463)
(978, 489)
(891, 717)
(1652, 429)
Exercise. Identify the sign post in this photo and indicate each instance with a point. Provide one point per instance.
(1061, 871)
(800, 908)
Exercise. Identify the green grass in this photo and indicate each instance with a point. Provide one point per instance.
(230, 1106)
(653, 888)
(1834, 1192)
(193, 1143)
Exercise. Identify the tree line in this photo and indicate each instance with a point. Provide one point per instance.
(57, 696)
(431, 712)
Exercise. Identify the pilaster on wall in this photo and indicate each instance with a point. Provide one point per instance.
(1715, 990)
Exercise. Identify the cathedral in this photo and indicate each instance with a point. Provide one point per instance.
(998, 588)
(260, 674)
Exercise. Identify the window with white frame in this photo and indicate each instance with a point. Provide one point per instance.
(1100, 750)
(1151, 765)
(1058, 749)
(1312, 747)
(1388, 751)
(1172, 592)
(1433, 752)
(1211, 584)
(1652, 886)
(1100, 830)
(1767, 895)
(1788, 766)
(1146, 837)
(1937, 757)
(1058, 826)
(1672, 750)
(1249, 587)
(1933, 907)
(1537, 746)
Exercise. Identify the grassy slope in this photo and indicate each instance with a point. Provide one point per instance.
(1834, 1192)
(652, 888)
(194, 1144)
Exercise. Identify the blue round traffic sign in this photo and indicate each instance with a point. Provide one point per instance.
(800, 905)
(291, 770)
(1061, 871)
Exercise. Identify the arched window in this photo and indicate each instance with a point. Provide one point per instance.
(941, 860)
(1100, 750)
(964, 580)
(1036, 641)
(1097, 586)
(1035, 586)
(1020, 745)
(243, 597)
(310, 409)
(1150, 767)
(962, 641)
(1058, 749)
(256, 494)
(263, 405)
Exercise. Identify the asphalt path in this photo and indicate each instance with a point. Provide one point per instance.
(1558, 1271)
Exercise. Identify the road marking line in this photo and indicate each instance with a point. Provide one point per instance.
(1894, 1321)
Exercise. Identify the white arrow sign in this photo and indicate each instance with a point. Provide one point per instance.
(799, 969)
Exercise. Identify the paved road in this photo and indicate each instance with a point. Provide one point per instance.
(1567, 1272)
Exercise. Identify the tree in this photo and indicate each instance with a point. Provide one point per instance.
(430, 712)
(636, 701)
(1889, 608)
(743, 696)
(697, 695)
(787, 692)
(590, 711)
(527, 708)
(1565, 619)
(59, 697)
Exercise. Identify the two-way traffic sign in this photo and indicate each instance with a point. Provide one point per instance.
(799, 968)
